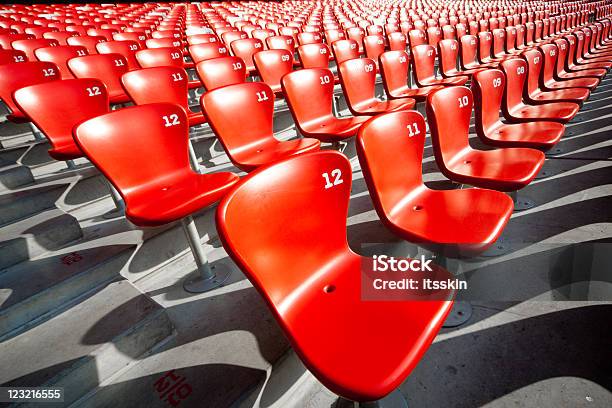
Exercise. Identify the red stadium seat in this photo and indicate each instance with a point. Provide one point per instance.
(18, 75)
(88, 42)
(203, 52)
(202, 39)
(159, 57)
(315, 55)
(6, 40)
(108, 68)
(160, 84)
(60, 36)
(345, 50)
(245, 49)
(60, 55)
(540, 87)
(309, 38)
(469, 54)
(322, 294)
(423, 62)
(272, 65)
(28, 46)
(126, 48)
(356, 34)
(573, 88)
(461, 222)
(217, 72)
(394, 71)
(582, 69)
(281, 42)
(581, 59)
(579, 78)
(12, 57)
(448, 54)
(255, 146)
(488, 89)
(358, 79)
(374, 46)
(57, 107)
(516, 111)
(163, 43)
(158, 185)
(101, 32)
(309, 94)
(397, 41)
(509, 169)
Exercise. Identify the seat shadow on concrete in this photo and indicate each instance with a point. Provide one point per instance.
(9, 128)
(86, 190)
(467, 369)
(163, 246)
(36, 155)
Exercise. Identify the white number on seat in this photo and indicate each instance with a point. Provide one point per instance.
(175, 55)
(177, 77)
(413, 129)
(261, 96)
(48, 72)
(133, 47)
(337, 176)
(284, 58)
(171, 120)
(402, 59)
(496, 82)
(536, 60)
(176, 43)
(552, 53)
(324, 79)
(19, 58)
(369, 67)
(237, 65)
(429, 53)
(93, 91)
(81, 53)
(119, 63)
(463, 101)
(322, 51)
(520, 70)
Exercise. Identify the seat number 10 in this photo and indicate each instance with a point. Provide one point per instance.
(336, 175)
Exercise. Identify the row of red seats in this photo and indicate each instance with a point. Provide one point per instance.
(258, 214)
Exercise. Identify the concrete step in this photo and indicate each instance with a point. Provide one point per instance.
(15, 176)
(86, 344)
(35, 235)
(31, 153)
(35, 291)
(66, 193)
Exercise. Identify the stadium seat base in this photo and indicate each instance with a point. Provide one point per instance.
(459, 314)
(200, 285)
(114, 213)
(499, 248)
(521, 203)
(393, 400)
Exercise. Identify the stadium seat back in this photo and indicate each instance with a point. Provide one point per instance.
(60, 55)
(217, 72)
(29, 46)
(12, 57)
(318, 83)
(203, 52)
(126, 48)
(423, 61)
(108, 68)
(448, 112)
(315, 55)
(157, 132)
(245, 49)
(247, 226)
(374, 46)
(89, 42)
(157, 85)
(397, 41)
(281, 42)
(159, 57)
(56, 107)
(533, 57)
(448, 51)
(19, 75)
(272, 65)
(394, 70)
(515, 70)
(345, 50)
(488, 90)
(358, 80)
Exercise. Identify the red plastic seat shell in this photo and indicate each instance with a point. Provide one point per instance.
(461, 222)
(158, 185)
(298, 300)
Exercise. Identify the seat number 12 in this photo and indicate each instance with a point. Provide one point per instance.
(336, 175)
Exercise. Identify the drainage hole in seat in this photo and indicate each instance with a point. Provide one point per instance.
(329, 288)
(417, 207)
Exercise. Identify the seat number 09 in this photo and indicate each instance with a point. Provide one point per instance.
(336, 175)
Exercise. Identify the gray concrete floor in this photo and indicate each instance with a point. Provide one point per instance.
(539, 337)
